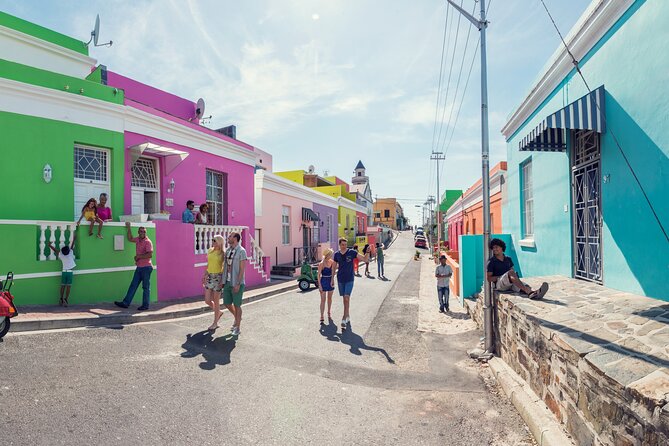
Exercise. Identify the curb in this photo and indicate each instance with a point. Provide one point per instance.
(542, 424)
(126, 318)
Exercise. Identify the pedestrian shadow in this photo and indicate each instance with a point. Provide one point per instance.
(214, 351)
(353, 340)
(357, 343)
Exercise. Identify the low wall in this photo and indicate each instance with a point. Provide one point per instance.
(102, 273)
(602, 372)
(472, 262)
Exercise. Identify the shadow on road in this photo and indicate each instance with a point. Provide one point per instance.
(214, 351)
(352, 339)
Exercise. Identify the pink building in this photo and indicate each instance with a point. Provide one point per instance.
(291, 220)
(171, 159)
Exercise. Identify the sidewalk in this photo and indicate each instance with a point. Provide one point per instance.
(51, 317)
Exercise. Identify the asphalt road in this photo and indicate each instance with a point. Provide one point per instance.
(285, 380)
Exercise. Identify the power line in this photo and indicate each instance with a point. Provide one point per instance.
(441, 69)
(615, 139)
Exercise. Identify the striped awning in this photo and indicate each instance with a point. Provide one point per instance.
(587, 113)
(309, 215)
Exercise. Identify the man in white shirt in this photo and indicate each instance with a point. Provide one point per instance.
(443, 275)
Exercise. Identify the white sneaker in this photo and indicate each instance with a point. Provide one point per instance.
(235, 331)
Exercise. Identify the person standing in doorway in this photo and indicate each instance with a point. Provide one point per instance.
(344, 269)
(143, 270)
(233, 279)
(443, 274)
(379, 260)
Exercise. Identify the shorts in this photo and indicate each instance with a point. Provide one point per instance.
(345, 288)
(214, 282)
(66, 278)
(504, 284)
(230, 297)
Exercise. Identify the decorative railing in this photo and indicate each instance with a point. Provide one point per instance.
(58, 234)
(256, 253)
(305, 254)
(204, 235)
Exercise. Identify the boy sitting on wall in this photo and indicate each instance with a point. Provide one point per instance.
(503, 277)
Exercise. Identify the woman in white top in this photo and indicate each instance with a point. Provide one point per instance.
(201, 217)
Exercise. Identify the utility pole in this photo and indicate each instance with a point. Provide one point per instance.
(430, 216)
(437, 156)
(482, 24)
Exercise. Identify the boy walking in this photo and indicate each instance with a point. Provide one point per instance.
(443, 274)
(344, 268)
(66, 256)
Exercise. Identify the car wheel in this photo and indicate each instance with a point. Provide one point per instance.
(4, 326)
(304, 285)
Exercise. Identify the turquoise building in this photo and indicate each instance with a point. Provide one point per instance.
(587, 182)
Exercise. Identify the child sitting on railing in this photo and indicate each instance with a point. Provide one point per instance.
(66, 256)
(90, 213)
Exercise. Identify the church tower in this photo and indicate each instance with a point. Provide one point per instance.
(360, 177)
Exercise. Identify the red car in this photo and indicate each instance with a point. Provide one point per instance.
(421, 242)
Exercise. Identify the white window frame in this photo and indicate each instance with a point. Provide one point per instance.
(107, 153)
(83, 181)
(216, 208)
(527, 200)
(330, 238)
(285, 225)
(317, 230)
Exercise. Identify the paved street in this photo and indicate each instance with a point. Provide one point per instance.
(284, 381)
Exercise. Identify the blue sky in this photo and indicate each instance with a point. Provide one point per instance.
(329, 82)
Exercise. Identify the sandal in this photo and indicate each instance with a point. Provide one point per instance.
(322, 321)
(99, 236)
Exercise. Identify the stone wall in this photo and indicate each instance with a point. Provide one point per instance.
(601, 392)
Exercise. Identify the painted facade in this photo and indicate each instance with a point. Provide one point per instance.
(447, 199)
(388, 212)
(84, 125)
(286, 231)
(588, 215)
(363, 191)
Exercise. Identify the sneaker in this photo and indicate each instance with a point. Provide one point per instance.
(343, 324)
(120, 303)
(441, 310)
(446, 310)
(541, 292)
(235, 331)
(142, 308)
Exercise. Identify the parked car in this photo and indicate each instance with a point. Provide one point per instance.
(421, 242)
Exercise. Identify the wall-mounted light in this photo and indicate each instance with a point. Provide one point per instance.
(171, 188)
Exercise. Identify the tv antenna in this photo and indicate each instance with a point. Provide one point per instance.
(95, 34)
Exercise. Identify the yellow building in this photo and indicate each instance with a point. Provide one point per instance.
(388, 212)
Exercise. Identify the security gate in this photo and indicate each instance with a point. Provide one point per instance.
(586, 199)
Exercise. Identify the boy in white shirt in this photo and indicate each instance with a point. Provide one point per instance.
(66, 256)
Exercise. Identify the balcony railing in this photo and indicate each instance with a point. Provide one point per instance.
(304, 254)
(204, 235)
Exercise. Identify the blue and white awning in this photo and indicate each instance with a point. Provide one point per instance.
(587, 113)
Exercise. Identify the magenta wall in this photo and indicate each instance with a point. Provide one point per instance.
(454, 230)
(178, 277)
(153, 97)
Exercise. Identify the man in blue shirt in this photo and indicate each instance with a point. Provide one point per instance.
(344, 267)
(187, 216)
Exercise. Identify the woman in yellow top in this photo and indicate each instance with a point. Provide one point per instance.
(212, 281)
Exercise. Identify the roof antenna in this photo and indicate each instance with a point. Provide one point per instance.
(95, 34)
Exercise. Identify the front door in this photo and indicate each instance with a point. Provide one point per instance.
(145, 186)
(586, 199)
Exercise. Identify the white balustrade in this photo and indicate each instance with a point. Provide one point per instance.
(204, 235)
(52, 227)
(256, 252)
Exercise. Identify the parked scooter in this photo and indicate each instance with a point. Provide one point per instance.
(308, 276)
(7, 307)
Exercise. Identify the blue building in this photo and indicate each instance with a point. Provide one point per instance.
(587, 193)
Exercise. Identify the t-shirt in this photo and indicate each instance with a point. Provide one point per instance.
(443, 270)
(379, 253)
(233, 258)
(187, 216)
(68, 260)
(142, 247)
(345, 265)
(214, 261)
(499, 267)
(104, 213)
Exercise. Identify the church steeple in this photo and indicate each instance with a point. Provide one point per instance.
(360, 177)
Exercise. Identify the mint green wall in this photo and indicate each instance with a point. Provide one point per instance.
(22, 241)
(91, 86)
(27, 144)
(472, 262)
(40, 32)
(631, 62)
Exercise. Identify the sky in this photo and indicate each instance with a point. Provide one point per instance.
(328, 83)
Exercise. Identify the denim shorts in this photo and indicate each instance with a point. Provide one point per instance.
(345, 288)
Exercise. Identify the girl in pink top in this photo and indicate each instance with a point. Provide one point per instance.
(104, 212)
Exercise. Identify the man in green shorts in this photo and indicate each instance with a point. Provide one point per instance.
(233, 279)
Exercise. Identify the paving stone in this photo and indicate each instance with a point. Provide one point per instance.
(654, 387)
(650, 326)
(634, 345)
(629, 369)
(602, 336)
(636, 320)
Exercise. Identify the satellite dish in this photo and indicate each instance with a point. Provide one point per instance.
(199, 109)
(312, 169)
(95, 34)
